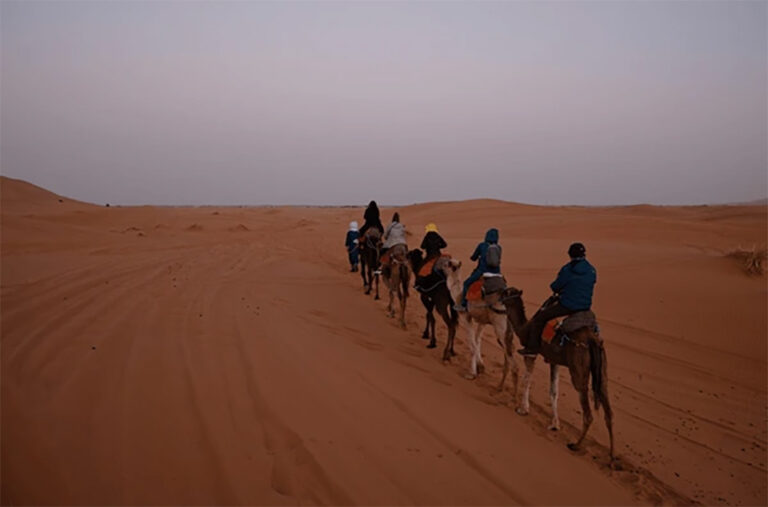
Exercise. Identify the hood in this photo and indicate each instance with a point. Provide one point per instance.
(580, 266)
(352, 225)
(492, 236)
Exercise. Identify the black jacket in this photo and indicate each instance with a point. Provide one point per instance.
(372, 219)
(432, 243)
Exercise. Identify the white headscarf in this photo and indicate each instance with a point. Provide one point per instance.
(353, 225)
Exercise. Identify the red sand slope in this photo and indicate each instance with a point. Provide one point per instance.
(225, 355)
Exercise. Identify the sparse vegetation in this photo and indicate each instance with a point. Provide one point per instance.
(752, 260)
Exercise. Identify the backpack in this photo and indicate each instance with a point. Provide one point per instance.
(493, 256)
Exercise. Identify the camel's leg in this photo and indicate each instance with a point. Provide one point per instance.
(579, 368)
(554, 380)
(500, 328)
(432, 338)
(362, 268)
(448, 351)
(586, 419)
(608, 412)
(452, 321)
(367, 281)
(429, 331)
(525, 406)
(376, 278)
(509, 350)
(478, 347)
(429, 305)
(472, 342)
(402, 295)
(609, 422)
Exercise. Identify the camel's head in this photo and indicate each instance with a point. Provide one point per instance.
(451, 267)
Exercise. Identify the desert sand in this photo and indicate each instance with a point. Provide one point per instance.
(158, 355)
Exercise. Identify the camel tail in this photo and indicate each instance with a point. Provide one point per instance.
(597, 366)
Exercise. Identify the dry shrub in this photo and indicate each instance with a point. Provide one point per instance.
(752, 260)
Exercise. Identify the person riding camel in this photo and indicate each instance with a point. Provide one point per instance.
(483, 266)
(372, 219)
(432, 242)
(393, 236)
(573, 288)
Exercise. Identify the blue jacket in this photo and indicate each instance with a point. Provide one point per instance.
(492, 236)
(575, 283)
(350, 242)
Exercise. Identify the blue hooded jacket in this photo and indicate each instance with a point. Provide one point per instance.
(575, 284)
(492, 236)
(350, 242)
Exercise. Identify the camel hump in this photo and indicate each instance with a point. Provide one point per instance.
(441, 261)
(579, 320)
(493, 283)
(486, 286)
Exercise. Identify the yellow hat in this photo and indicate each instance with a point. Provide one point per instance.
(430, 227)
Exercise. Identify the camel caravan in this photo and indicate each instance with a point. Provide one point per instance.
(484, 299)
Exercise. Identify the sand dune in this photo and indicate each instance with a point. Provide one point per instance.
(249, 368)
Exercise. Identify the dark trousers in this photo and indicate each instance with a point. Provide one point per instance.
(353, 256)
(540, 320)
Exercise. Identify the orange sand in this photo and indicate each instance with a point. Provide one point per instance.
(207, 355)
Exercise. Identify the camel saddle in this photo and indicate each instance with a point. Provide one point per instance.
(397, 253)
(372, 237)
(571, 323)
(578, 320)
(428, 267)
(491, 283)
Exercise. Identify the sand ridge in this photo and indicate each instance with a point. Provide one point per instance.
(190, 364)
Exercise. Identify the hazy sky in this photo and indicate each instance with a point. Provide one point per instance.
(334, 102)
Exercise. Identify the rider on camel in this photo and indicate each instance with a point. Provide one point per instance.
(393, 236)
(372, 219)
(432, 242)
(574, 287)
(480, 255)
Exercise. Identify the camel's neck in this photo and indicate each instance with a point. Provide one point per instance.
(516, 314)
(453, 281)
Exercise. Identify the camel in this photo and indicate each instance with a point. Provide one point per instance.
(397, 277)
(584, 355)
(490, 311)
(436, 296)
(369, 259)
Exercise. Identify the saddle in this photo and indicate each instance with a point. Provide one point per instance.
(491, 283)
(574, 322)
(397, 253)
(429, 267)
(372, 238)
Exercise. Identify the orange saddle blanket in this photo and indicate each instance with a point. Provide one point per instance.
(427, 267)
(475, 291)
(384, 258)
(550, 329)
